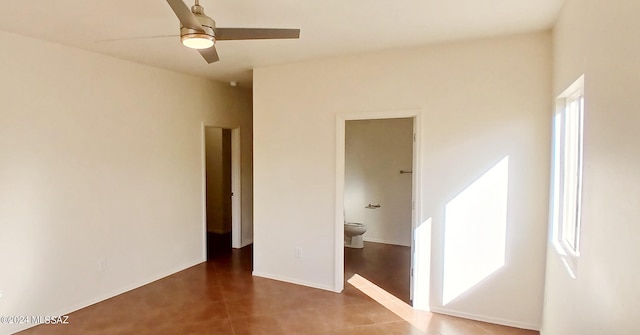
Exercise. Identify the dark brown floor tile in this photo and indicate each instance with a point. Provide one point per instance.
(222, 297)
(247, 307)
(359, 330)
(211, 327)
(340, 318)
(352, 295)
(304, 322)
(47, 329)
(449, 325)
(254, 288)
(257, 325)
(502, 330)
(375, 312)
(331, 300)
(404, 328)
(202, 291)
(196, 312)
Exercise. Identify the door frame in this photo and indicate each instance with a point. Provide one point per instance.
(236, 191)
(341, 120)
(236, 187)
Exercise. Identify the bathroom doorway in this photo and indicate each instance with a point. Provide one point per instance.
(386, 149)
(221, 189)
(378, 194)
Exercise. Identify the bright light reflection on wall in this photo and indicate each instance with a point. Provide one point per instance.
(475, 232)
(422, 265)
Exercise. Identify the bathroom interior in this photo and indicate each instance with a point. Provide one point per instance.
(378, 203)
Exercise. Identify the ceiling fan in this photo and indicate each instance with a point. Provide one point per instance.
(198, 31)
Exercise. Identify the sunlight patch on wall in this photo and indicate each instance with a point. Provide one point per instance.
(475, 232)
(422, 265)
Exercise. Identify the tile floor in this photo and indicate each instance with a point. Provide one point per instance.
(386, 265)
(221, 297)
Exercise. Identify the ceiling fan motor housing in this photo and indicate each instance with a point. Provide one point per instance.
(207, 23)
(198, 31)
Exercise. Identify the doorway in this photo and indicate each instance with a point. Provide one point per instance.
(221, 189)
(378, 194)
(411, 175)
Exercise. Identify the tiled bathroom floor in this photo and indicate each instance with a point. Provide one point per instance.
(221, 297)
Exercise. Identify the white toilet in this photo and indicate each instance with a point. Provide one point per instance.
(353, 234)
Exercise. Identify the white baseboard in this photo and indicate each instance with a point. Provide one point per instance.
(102, 297)
(488, 319)
(246, 243)
(293, 281)
(383, 241)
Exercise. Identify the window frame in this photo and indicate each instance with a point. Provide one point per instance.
(566, 190)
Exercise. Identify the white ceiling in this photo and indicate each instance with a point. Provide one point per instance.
(328, 27)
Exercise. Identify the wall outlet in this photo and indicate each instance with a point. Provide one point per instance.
(0, 294)
(297, 253)
(102, 264)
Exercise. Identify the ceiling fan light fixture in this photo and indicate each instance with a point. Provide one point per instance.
(197, 41)
(198, 31)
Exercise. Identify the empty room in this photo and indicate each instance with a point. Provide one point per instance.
(511, 204)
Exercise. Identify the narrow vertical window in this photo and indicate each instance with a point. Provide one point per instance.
(567, 173)
(573, 115)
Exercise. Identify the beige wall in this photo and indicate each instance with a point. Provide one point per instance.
(375, 152)
(100, 159)
(600, 40)
(479, 101)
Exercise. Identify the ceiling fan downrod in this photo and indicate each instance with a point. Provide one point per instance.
(197, 9)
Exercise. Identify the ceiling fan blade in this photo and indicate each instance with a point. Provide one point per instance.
(227, 34)
(210, 54)
(135, 38)
(184, 14)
